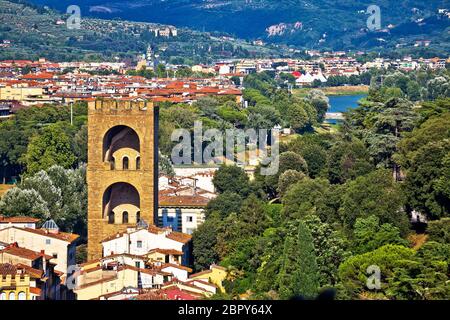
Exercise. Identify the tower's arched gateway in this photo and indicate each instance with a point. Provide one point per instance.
(122, 172)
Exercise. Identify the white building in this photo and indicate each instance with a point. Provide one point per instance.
(49, 240)
(19, 222)
(141, 240)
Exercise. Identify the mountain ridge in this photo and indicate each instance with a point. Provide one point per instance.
(341, 20)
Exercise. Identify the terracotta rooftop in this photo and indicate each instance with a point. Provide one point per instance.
(18, 219)
(68, 237)
(166, 251)
(24, 253)
(183, 201)
(10, 269)
(168, 265)
(180, 237)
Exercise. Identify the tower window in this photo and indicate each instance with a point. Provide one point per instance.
(138, 163)
(138, 216)
(125, 217)
(126, 162)
(111, 218)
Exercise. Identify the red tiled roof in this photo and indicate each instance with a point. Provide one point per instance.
(18, 219)
(167, 251)
(179, 237)
(24, 253)
(183, 201)
(68, 237)
(168, 265)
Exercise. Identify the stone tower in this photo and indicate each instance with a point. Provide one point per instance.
(122, 170)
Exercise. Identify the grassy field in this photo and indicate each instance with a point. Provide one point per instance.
(336, 91)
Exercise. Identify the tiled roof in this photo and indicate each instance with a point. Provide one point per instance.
(35, 291)
(7, 269)
(183, 201)
(10, 269)
(114, 236)
(34, 273)
(167, 251)
(68, 237)
(180, 237)
(201, 273)
(168, 265)
(24, 253)
(18, 219)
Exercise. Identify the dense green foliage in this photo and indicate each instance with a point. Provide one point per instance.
(346, 202)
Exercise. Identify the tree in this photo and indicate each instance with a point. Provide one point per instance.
(231, 179)
(354, 275)
(348, 160)
(374, 194)
(263, 117)
(51, 147)
(369, 234)
(204, 242)
(301, 116)
(225, 204)
(286, 161)
(287, 179)
(80, 144)
(320, 102)
(330, 248)
(60, 194)
(18, 202)
(439, 230)
(299, 274)
(426, 186)
(310, 196)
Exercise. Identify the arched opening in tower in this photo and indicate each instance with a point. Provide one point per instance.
(120, 144)
(121, 204)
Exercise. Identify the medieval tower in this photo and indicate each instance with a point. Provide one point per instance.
(122, 174)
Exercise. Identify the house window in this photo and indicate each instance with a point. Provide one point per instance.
(55, 256)
(190, 230)
(48, 241)
(2, 296)
(126, 163)
(139, 244)
(138, 163)
(22, 296)
(12, 296)
(137, 264)
(125, 217)
(189, 219)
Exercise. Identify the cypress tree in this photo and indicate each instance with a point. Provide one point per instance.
(299, 274)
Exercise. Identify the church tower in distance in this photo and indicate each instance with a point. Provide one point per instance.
(122, 170)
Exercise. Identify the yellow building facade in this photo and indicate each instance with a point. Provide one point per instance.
(20, 93)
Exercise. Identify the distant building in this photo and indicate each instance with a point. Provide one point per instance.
(141, 240)
(19, 222)
(61, 246)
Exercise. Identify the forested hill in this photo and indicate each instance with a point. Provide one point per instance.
(335, 24)
(32, 31)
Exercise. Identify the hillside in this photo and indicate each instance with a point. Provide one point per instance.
(30, 32)
(336, 24)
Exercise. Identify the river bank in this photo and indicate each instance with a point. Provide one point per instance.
(336, 91)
